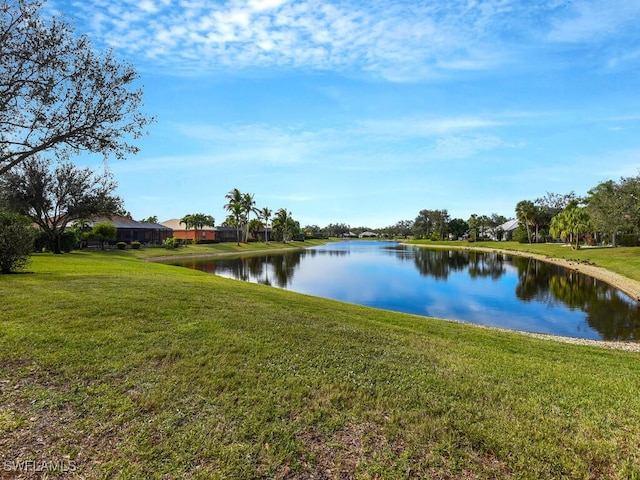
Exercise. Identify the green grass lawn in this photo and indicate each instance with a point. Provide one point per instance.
(120, 368)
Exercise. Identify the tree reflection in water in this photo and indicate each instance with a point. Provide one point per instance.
(611, 313)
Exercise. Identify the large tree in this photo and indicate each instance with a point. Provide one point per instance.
(57, 94)
(458, 227)
(614, 207)
(431, 224)
(55, 197)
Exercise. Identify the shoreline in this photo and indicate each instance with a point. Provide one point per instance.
(202, 256)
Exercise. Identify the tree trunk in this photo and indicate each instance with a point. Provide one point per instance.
(57, 244)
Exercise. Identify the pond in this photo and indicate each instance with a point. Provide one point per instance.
(492, 289)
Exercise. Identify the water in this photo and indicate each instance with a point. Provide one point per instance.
(483, 288)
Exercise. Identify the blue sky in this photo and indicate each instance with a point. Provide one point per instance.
(366, 112)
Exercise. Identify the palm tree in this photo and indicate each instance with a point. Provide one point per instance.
(573, 221)
(559, 226)
(281, 222)
(234, 195)
(201, 220)
(248, 204)
(188, 223)
(237, 216)
(254, 226)
(265, 213)
(579, 224)
(525, 211)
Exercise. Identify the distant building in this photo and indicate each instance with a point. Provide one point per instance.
(504, 231)
(368, 235)
(227, 234)
(129, 230)
(180, 231)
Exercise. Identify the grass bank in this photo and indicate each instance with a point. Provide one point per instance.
(115, 368)
(225, 248)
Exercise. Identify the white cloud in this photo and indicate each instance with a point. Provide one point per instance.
(589, 20)
(400, 42)
(465, 146)
(425, 127)
(254, 144)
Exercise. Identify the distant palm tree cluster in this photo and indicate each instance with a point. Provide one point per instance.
(240, 207)
(197, 221)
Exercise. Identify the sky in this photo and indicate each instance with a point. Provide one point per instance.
(366, 112)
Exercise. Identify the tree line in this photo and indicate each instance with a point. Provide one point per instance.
(608, 214)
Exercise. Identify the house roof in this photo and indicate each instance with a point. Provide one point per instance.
(510, 225)
(176, 224)
(125, 222)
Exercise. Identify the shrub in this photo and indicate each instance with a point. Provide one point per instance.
(16, 241)
(121, 245)
(104, 232)
(171, 243)
(68, 241)
(628, 240)
(44, 243)
(520, 235)
(135, 245)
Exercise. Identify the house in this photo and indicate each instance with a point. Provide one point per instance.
(180, 231)
(129, 230)
(368, 235)
(227, 234)
(504, 231)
